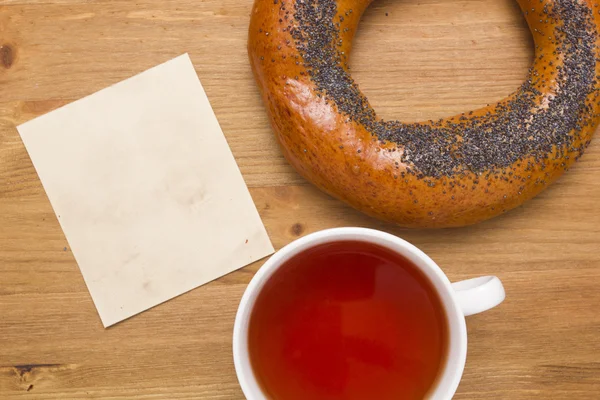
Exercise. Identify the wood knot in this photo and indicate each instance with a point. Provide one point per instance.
(297, 229)
(7, 55)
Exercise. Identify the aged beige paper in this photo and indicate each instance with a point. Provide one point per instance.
(146, 189)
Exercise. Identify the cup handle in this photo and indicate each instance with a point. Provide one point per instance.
(478, 294)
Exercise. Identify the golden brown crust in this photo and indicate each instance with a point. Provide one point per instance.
(343, 158)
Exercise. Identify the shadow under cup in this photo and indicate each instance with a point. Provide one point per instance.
(306, 320)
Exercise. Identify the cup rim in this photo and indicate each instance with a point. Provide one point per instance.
(449, 379)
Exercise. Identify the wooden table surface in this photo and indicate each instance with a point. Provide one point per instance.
(416, 60)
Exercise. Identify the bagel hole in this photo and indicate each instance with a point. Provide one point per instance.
(421, 60)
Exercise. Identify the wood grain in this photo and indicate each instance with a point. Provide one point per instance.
(422, 60)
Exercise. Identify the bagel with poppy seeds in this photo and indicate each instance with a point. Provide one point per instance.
(446, 173)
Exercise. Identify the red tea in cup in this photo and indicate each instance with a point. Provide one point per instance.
(347, 320)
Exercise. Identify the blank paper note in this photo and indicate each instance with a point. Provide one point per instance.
(146, 189)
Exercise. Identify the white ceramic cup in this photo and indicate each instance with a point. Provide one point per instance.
(459, 299)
